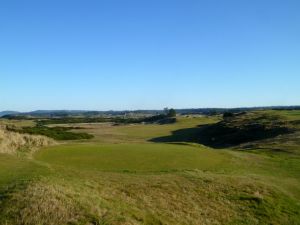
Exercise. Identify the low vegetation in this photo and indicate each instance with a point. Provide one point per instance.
(57, 133)
(12, 142)
(164, 118)
(120, 177)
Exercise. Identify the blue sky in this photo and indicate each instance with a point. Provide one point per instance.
(150, 54)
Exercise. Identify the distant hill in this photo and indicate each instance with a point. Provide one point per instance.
(87, 113)
(4, 113)
(213, 111)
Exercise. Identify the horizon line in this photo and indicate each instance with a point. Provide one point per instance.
(132, 110)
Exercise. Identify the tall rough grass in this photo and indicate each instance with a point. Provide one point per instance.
(189, 198)
(40, 203)
(12, 142)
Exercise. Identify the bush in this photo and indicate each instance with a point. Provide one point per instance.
(57, 133)
(228, 115)
(171, 113)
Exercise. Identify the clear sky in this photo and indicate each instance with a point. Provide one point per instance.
(148, 54)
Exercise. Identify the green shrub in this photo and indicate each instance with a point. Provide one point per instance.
(57, 133)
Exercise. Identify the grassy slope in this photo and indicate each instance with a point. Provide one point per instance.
(120, 178)
(17, 123)
(18, 169)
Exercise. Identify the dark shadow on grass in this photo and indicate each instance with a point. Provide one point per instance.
(221, 136)
(182, 135)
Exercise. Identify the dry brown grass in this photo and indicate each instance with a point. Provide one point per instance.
(12, 142)
(40, 203)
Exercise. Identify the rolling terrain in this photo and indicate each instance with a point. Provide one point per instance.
(243, 169)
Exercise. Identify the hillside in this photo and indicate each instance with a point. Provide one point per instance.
(95, 113)
(241, 130)
(246, 127)
(5, 113)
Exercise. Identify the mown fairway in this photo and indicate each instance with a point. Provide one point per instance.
(133, 157)
(121, 177)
